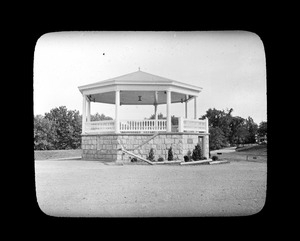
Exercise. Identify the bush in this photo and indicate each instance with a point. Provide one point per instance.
(197, 153)
(170, 154)
(133, 159)
(160, 159)
(189, 155)
(151, 155)
(186, 158)
(215, 158)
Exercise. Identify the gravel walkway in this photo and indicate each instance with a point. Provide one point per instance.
(90, 188)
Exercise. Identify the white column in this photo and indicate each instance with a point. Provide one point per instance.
(155, 105)
(88, 110)
(169, 127)
(186, 102)
(180, 124)
(117, 104)
(83, 113)
(206, 146)
(195, 108)
(155, 112)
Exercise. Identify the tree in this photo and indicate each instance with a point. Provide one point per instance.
(67, 127)
(222, 120)
(98, 117)
(160, 116)
(44, 134)
(170, 154)
(262, 129)
(237, 132)
(252, 128)
(217, 139)
(241, 135)
(151, 155)
(197, 153)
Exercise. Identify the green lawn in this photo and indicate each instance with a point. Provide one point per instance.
(253, 153)
(44, 155)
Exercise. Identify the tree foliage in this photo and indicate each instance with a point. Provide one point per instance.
(44, 133)
(197, 153)
(60, 129)
(226, 129)
(170, 154)
(217, 139)
(98, 117)
(67, 127)
(160, 116)
(262, 129)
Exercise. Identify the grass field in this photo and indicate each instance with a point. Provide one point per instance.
(53, 154)
(253, 153)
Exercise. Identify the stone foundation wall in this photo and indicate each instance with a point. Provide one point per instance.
(105, 147)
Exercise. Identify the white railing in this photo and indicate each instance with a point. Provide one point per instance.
(100, 126)
(146, 126)
(190, 125)
(143, 125)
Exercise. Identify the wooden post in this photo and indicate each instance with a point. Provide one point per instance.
(169, 127)
(117, 104)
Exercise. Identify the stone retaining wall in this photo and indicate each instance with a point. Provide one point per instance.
(105, 147)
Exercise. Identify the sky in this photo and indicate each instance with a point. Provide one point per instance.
(230, 66)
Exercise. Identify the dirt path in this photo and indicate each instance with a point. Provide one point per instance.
(90, 188)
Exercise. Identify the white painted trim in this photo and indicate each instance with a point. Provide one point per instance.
(173, 86)
(195, 108)
(117, 106)
(98, 90)
(169, 124)
(83, 113)
(88, 110)
(186, 107)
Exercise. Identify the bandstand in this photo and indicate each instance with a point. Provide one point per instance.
(103, 140)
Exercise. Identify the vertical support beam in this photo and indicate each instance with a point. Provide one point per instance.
(169, 127)
(155, 105)
(117, 105)
(206, 125)
(180, 124)
(186, 107)
(206, 146)
(155, 117)
(83, 113)
(88, 110)
(195, 108)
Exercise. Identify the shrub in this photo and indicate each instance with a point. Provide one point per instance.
(214, 158)
(151, 155)
(197, 153)
(189, 155)
(160, 159)
(133, 159)
(170, 154)
(186, 158)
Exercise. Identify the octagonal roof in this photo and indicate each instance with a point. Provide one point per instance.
(138, 88)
